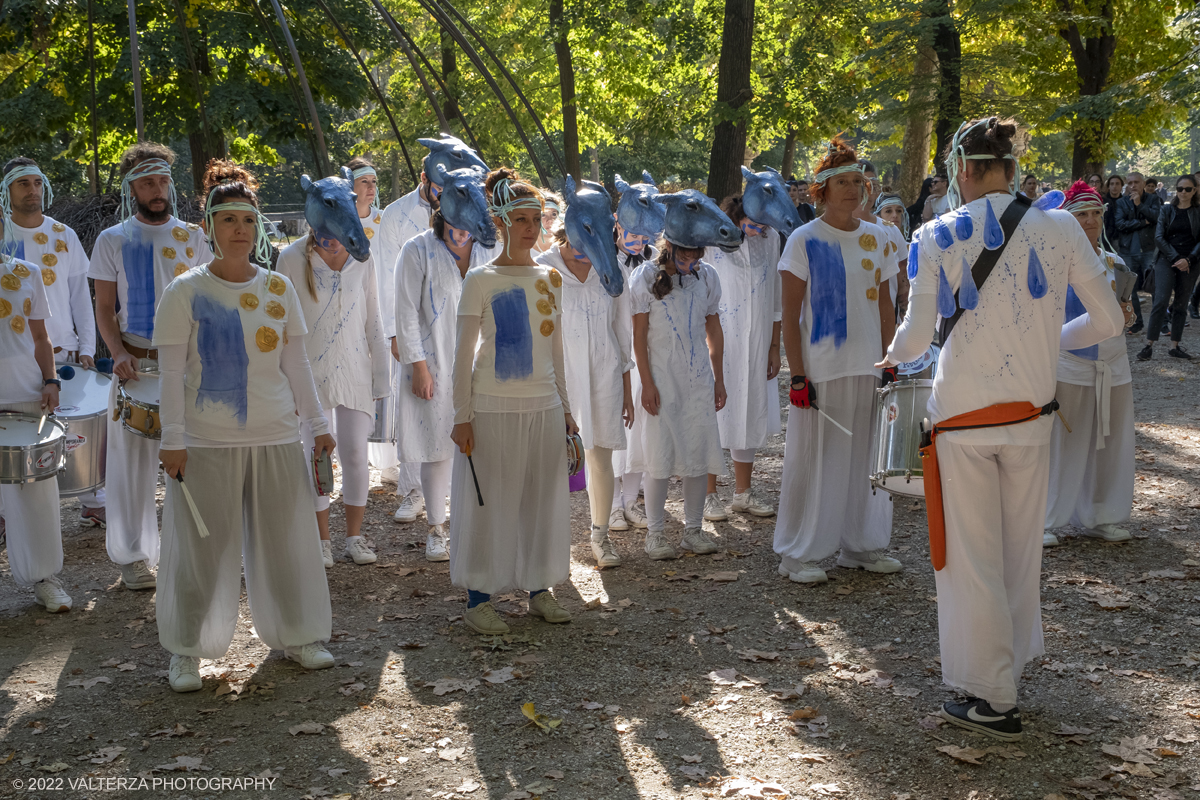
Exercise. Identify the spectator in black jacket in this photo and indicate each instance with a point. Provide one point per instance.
(1177, 234)
(1112, 193)
(803, 201)
(1136, 216)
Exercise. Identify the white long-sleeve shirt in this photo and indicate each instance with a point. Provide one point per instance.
(402, 220)
(55, 250)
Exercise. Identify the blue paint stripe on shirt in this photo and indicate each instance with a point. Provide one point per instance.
(224, 363)
(1075, 309)
(514, 338)
(138, 259)
(826, 290)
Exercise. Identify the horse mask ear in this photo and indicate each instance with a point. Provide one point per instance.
(347, 174)
(619, 182)
(433, 144)
(569, 190)
(305, 182)
(442, 172)
(647, 179)
(747, 173)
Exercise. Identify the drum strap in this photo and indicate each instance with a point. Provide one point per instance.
(996, 416)
(989, 258)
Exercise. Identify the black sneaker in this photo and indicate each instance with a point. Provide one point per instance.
(1193, 312)
(976, 715)
(1135, 328)
(1179, 352)
(1146, 353)
(1166, 329)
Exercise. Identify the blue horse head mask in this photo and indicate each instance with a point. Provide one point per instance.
(329, 208)
(637, 211)
(766, 201)
(589, 223)
(450, 153)
(464, 204)
(694, 220)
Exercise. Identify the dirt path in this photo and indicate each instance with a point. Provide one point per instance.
(671, 673)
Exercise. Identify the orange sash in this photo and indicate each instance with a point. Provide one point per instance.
(991, 417)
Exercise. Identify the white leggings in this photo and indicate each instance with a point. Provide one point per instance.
(694, 490)
(435, 485)
(743, 456)
(600, 482)
(626, 489)
(350, 429)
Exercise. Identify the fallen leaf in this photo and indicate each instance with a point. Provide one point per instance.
(57, 766)
(811, 758)
(660, 735)
(1133, 750)
(899, 692)
(353, 688)
(452, 754)
(691, 759)
(107, 755)
(757, 655)
(967, 755)
(468, 786)
(127, 667)
(789, 694)
(554, 774)
(826, 788)
(541, 720)
(808, 712)
(843, 590)
(592, 706)
(722, 577)
(723, 677)
(498, 675)
(90, 682)
(517, 795)
(447, 685)
(1111, 603)
(183, 764)
(309, 727)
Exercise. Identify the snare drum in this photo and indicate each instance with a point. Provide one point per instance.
(899, 409)
(83, 403)
(137, 405)
(923, 368)
(27, 456)
(385, 421)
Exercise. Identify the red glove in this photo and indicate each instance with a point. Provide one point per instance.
(803, 394)
(889, 375)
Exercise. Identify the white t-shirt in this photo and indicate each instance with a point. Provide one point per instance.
(56, 250)
(1079, 367)
(371, 223)
(22, 298)
(1006, 349)
(235, 393)
(518, 315)
(143, 265)
(844, 271)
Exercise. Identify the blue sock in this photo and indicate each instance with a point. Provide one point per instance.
(474, 598)
(535, 594)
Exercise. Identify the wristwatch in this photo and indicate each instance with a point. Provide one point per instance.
(55, 381)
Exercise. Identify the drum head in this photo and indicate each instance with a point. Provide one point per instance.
(84, 394)
(145, 390)
(20, 430)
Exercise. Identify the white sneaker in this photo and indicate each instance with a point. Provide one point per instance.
(871, 561)
(49, 593)
(658, 548)
(327, 553)
(359, 551)
(806, 572)
(436, 547)
(484, 619)
(138, 576)
(410, 508)
(1049, 539)
(714, 509)
(636, 517)
(605, 552)
(749, 503)
(695, 540)
(184, 675)
(310, 656)
(390, 474)
(617, 521)
(546, 606)
(1108, 532)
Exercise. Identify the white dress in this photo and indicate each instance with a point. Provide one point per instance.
(751, 303)
(623, 459)
(682, 439)
(428, 288)
(597, 347)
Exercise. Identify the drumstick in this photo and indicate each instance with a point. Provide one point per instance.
(474, 477)
(192, 505)
(46, 413)
(1064, 420)
(839, 426)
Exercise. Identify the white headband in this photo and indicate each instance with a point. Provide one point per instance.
(24, 171)
(262, 245)
(151, 166)
(958, 159)
(361, 171)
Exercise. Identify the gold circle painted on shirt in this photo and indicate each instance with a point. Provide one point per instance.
(180, 234)
(49, 259)
(543, 305)
(249, 301)
(192, 226)
(27, 306)
(60, 245)
(10, 282)
(867, 242)
(275, 310)
(40, 237)
(378, 219)
(267, 339)
(541, 286)
(18, 324)
(180, 268)
(1112, 285)
(547, 327)
(276, 285)
(21, 271)
(169, 253)
(58, 227)
(190, 252)
(878, 276)
(5, 308)
(370, 233)
(868, 263)
(872, 294)
(555, 278)
(49, 276)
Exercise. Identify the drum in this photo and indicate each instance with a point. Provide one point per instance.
(83, 406)
(137, 405)
(385, 422)
(899, 409)
(923, 368)
(26, 455)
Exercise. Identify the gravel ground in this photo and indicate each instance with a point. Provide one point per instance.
(709, 676)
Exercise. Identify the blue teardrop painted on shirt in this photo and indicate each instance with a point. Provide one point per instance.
(1037, 276)
(914, 256)
(1051, 199)
(993, 234)
(941, 234)
(968, 293)
(945, 301)
(964, 226)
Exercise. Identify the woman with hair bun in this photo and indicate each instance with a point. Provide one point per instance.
(510, 520)
(236, 386)
(837, 319)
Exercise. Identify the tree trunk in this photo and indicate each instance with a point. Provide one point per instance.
(948, 47)
(922, 95)
(733, 92)
(205, 145)
(1093, 61)
(566, 82)
(789, 154)
(595, 157)
(397, 193)
(450, 75)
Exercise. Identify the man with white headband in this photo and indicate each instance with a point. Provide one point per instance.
(132, 263)
(29, 234)
(997, 270)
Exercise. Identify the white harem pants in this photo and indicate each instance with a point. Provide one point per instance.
(131, 482)
(32, 521)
